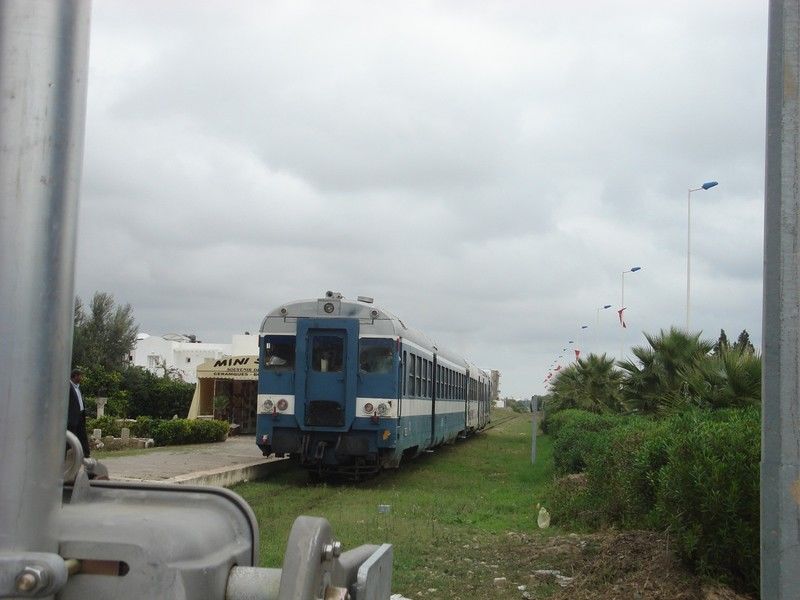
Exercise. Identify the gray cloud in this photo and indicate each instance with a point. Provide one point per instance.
(485, 170)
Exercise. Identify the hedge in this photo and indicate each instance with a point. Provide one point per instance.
(695, 475)
(576, 434)
(166, 432)
(708, 496)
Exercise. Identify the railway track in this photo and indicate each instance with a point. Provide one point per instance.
(504, 419)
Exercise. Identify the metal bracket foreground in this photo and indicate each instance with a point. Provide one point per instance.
(315, 567)
(128, 540)
(31, 574)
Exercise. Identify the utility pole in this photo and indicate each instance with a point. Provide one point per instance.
(780, 437)
(44, 53)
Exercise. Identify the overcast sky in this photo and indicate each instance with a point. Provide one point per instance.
(485, 170)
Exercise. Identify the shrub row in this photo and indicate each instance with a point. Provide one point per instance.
(134, 391)
(695, 474)
(166, 432)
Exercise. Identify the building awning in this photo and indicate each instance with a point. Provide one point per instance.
(232, 367)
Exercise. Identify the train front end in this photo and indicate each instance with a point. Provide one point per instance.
(328, 390)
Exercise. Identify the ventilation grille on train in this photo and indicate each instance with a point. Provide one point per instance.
(322, 413)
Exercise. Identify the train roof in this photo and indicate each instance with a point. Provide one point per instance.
(373, 320)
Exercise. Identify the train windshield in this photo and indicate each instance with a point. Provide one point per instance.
(279, 353)
(375, 355)
(327, 353)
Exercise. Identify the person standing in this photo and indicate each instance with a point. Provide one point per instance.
(76, 417)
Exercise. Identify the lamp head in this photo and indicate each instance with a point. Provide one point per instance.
(709, 184)
(606, 306)
(634, 269)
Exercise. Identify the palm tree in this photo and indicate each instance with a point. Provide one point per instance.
(656, 381)
(592, 383)
(729, 379)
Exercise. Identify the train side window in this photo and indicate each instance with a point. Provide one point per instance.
(412, 368)
(279, 353)
(405, 370)
(419, 376)
(430, 380)
(327, 353)
(425, 377)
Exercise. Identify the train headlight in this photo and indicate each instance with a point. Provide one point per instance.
(283, 404)
(328, 307)
(368, 408)
(383, 409)
(268, 405)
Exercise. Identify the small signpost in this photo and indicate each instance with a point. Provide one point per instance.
(534, 427)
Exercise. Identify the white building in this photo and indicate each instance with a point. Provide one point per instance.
(181, 355)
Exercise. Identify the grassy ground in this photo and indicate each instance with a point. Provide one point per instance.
(466, 515)
(454, 506)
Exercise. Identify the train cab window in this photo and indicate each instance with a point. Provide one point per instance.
(327, 353)
(375, 355)
(279, 353)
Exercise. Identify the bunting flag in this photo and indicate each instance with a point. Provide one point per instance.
(558, 368)
(577, 354)
(621, 319)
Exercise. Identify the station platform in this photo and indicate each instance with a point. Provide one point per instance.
(235, 460)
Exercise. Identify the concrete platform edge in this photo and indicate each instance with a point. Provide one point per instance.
(227, 476)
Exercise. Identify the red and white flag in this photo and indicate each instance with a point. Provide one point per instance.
(558, 368)
(577, 354)
(621, 318)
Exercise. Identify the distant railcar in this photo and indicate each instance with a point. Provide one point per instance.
(349, 389)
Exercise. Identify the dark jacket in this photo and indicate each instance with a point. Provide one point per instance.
(76, 420)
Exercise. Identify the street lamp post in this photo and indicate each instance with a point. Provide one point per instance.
(597, 322)
(706, 186)
(622, 307)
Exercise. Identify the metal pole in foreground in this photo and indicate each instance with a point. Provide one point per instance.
(43, 66)
(780, 437)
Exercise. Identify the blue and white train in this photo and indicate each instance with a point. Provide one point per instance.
(349, 389)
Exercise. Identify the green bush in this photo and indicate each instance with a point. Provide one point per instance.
(695, 474)
(143, 427)
(708, 494)
(107, 424)
(576, 436)
(183, 431)
(622, 470)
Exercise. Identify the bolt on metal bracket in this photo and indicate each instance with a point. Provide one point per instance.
(31, 574)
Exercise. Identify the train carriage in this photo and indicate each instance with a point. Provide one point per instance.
(349, 389)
